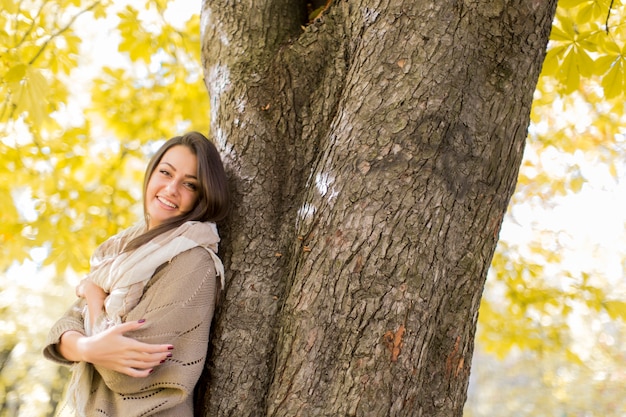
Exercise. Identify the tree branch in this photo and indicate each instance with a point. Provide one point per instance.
(62, 30)
(608, 15)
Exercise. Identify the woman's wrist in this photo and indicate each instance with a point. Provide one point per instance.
(72, 346)
(95, 295)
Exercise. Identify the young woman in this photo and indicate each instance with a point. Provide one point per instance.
(137, 335)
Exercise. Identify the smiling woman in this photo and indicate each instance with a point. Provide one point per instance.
(123, 335)
(72, 180)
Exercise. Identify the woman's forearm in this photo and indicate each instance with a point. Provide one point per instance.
(69, 346)
(95, 297)
(95, 306)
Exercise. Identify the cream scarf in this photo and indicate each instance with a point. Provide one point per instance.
(123, 275)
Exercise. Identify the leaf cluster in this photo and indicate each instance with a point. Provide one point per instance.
(74, 175)
(588, 41)
(43, 170)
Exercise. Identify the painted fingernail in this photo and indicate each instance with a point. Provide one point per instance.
(141, 320)
(170, 347)
(162, 361)
(151, 370)
(169, 355)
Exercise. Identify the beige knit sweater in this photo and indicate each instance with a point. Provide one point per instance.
(177, 304)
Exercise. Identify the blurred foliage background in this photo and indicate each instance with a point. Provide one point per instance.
(89, 88)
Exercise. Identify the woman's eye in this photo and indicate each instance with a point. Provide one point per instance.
(164, 172)
(191, 186)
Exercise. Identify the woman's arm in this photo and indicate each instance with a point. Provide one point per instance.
(112, 350)
(67, 344)
(94, 295)
(71, 321)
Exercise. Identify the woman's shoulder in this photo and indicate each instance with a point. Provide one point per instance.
(184, 273)
(194, 261)
(194, 255)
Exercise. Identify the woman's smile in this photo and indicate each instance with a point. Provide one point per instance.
(166, 202)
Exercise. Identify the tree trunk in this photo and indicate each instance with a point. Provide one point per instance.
(372, 153)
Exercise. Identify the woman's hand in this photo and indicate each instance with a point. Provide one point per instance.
(88, 290)
(95, 297)
(112, 350)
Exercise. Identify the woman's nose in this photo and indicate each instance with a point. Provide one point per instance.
(171, 188)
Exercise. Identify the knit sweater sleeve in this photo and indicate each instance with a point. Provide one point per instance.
(71, 320)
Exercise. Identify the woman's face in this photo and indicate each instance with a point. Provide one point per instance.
(173, 186)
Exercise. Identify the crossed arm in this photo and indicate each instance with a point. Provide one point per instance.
(110, 349)
(129, 348)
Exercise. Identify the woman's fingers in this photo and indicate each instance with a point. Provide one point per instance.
(144, 360)
(144, 365)
(129, 326)
(138, 346)
(136, 373)
(141, 364)
(80, 289)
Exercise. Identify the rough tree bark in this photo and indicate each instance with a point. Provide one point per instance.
(372, 153)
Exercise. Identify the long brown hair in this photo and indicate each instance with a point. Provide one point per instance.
(213, 197)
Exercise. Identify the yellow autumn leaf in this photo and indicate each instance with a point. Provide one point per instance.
(570, 73)
(589, 12)
(551, 64)
(160, 4)
(565, 19)
(135, 40)
(8, 6)
(584, 61)
(616, 309)
(16, 73)
(100, 10)
(569, 4)
(62, 63)
(613, 81)
(576, 183)
(604, 64)
(31, 95)
(562, 34)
